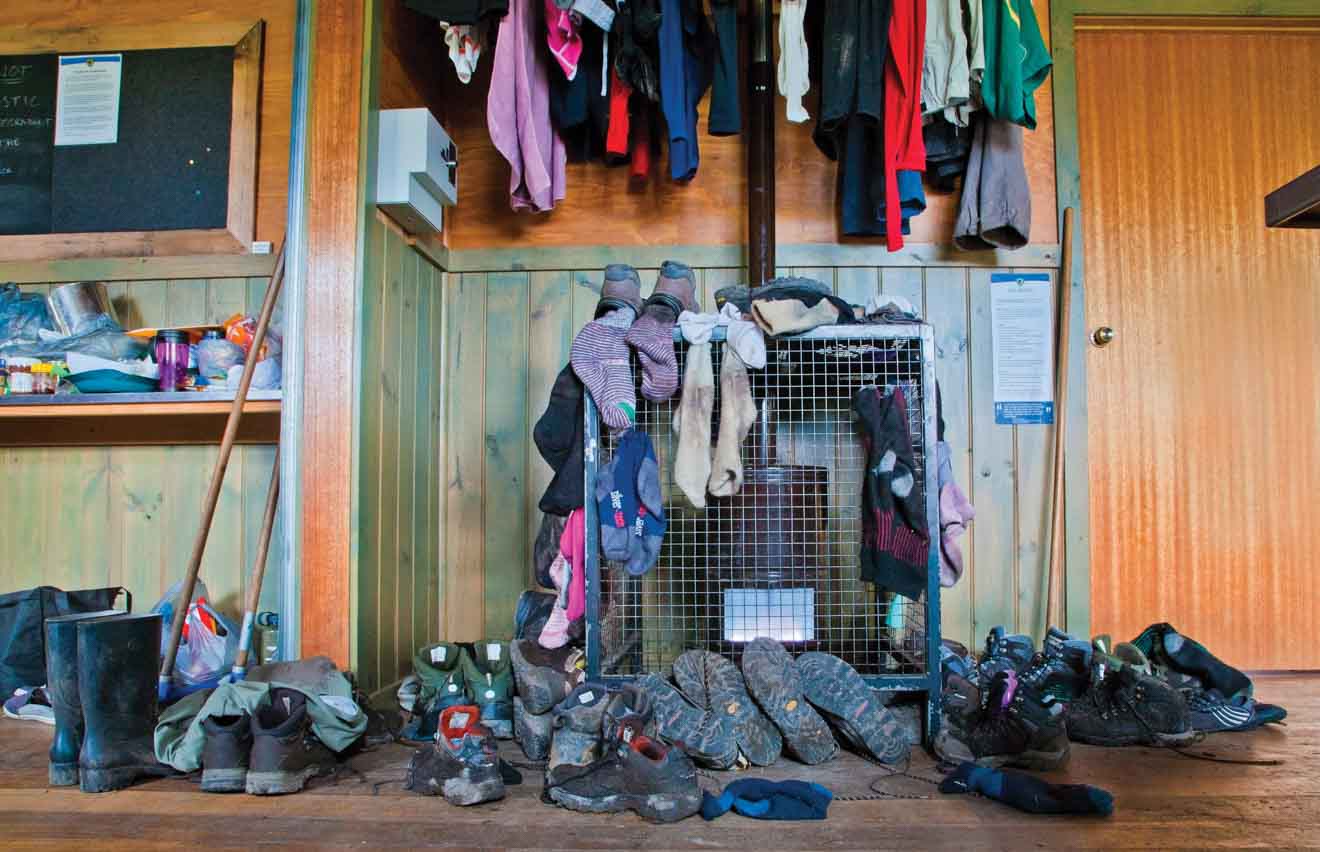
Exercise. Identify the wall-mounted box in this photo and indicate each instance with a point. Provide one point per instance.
(417, 171)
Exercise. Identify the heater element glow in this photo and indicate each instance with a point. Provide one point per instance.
(788, 615)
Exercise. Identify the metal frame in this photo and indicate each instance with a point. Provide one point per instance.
(929, 681)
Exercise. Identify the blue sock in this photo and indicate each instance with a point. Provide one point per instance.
(1028, 793)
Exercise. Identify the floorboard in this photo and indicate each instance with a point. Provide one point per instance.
(1164, 800)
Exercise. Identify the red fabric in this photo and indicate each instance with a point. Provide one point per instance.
(573, 547)
(904, 147)
(641, 145)
(616, 140)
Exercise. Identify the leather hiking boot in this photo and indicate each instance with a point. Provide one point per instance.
(1014, 728)
(489, 678)
(836, 689)
(544, 677)
(117, 686)
(657, 783)
(440, 669)
(705, 736)
(285, 752)
(713, 683)
(577, 726)
(1004, 651)
(462, 764)
(1126, 707)
(62, 689)
(532, 732)
(628, 714)
(1058, 676)
(225, 753)
(622, 288)
(675, 288)
(774, 680)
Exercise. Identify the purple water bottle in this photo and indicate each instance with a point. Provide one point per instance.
(172, 359)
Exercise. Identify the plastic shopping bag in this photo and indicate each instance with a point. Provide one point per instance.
(209, 643)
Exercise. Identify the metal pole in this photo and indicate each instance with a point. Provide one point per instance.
(761, 149)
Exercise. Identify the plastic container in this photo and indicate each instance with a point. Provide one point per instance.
(20, 375)
(269, 622)
(215, 356)
(171, 347)
(44, 379)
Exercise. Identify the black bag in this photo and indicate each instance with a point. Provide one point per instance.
(23, 628)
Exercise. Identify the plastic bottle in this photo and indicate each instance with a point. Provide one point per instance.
(269, 622)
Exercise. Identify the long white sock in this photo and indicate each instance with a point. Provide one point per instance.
(737, 414)
(692, 423)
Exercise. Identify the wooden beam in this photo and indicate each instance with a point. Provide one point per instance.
(137, 268)
(334, 261)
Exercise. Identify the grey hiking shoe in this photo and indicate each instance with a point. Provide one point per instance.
(577, 726)
(532, 732)
(225, 753)
(774, 680)
(285, 752)
(658, 783)
(713, 683)
(836, 689)
(1129, 708)
(628, 714)
(1004, 651)
(462, 764)
(544, 677)
(706, 737)
(1013, 728)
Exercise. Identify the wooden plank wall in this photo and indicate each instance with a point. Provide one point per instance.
(509, 334)
(85, 517)
(400, 457)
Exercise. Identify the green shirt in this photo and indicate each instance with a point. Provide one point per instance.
(1016, 61)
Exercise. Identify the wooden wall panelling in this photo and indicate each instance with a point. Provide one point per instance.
(1034, 452)
(405, 384)
(549, 339)
(438, 599)
(389, 565)
(371, 425)
(425, 615)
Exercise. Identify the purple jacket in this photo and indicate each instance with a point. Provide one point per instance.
(518, 113)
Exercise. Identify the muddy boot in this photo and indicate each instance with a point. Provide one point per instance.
(577, 726)
(628, 714)
(440, 669)
(704, 736)
(774, 680)
(714, 683)
(836, 689)
(531, 732)
(489, 677)
(285, 752)
(62, 687)
(117, 659)
(544, 677)
(225, 753)
(462, 764)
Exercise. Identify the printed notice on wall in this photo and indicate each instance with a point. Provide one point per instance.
(1022, 325)
(87, 104)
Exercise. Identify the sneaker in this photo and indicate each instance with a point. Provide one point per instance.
(532, 732)
(285, 752)
(30, 704)
(462, 764)
(577, 726)
(836, 689)
(657, 783)
(1004, 652)
(1126, 707)
(775, 681)
(440, 668)
(225, 753)
(713, 683)
(705, 736)
(489, 678)
(544, 677)
(1209, 713)
(1014, 728)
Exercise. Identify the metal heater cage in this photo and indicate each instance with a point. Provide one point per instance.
(780, 558)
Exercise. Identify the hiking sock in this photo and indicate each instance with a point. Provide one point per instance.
(555, 632)
(692, 423)
(653, 338)
(600, 358)
(762, 799)
(651, 513)
(1028, 793)
(737, 414)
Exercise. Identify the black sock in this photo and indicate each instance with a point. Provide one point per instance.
(1028, 793)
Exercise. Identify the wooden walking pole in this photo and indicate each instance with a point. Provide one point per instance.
(239, 671)
(218, 476)
(1054, 610)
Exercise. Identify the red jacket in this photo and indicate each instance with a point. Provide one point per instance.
(904, 147)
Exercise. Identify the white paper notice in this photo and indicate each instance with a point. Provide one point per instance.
(87, 101)
(1022, 326)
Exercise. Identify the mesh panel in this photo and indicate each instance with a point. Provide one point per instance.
(780, 558)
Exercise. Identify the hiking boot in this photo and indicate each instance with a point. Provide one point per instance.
(1014, 728)
(961, 699)
(774, 680)
(1126, 707)
(62, 689)
(1004, 651)
(577, 726)
(285, 752)
(225, 753)
(956, 660)
(713, 683)
(675, 288)
(1130, 655)
(658, 783)
(532, 732)
(462, 764)
(628, 714)
(1059, 674)
(544, 677)
(117, 687)
(836, 689)
(440, 669)
(622, 288)
(706, 737)
(489, 677)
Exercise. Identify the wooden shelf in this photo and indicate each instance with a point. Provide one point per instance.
(124, 419)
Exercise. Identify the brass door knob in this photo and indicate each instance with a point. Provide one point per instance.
(1103, 336)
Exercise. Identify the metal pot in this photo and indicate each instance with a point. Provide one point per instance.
(74, 305)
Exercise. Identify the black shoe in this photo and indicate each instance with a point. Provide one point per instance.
(462, 764)
(1126, 707)
(774, 680)
(285, 752)
(853, 709)
(714, 683)
(628, 714)
(62, 689)
(658, 783)
(1014, 728)
(706, 737)
(117, 658)
(225, 753)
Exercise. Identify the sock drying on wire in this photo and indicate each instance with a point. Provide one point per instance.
(653, 338)
(692, 423)
(630, 504)
(555, 632)
(573, 547)
(1028, 793)
(600, 358)
(737, 414)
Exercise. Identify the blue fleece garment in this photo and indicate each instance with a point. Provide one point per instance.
(684, 79)
(761, 799)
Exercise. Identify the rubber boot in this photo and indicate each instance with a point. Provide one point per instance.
(62, 687)
(117, 660)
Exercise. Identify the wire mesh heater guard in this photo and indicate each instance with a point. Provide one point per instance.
(780, 558)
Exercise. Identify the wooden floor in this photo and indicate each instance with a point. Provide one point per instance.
(1164, 800)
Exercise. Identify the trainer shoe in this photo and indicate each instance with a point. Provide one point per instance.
(775, 682)
(1126, 707)
(705, 736)
(225, 753)
(1014, 728)
(836, 689)
(489, 679)
(544, 677)
(658, 783)
(1210, 713)
(462, 764)
(713, 683)
(30, 704)
(577, 726)
(285, 752)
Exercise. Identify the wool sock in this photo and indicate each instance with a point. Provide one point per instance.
(630, 504)
(1028, 793)
(653, 338)
(762, 799)
(651, 514)
(600, 358)
(692, 423)
(737, 414)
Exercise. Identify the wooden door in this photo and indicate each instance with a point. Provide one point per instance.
(1204, 411)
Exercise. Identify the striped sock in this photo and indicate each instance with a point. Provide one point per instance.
(601, 360)
(653, 338)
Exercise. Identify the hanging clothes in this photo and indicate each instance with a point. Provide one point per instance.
(1017, 61)
(518, 113)
(579, 110)
(684, 78)
(465, 43)
(995, 211)
(794, 77)
(904, 148)
(460, 11)
(725, 112)
(946, 79)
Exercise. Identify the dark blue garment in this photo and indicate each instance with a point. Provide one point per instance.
(861, 183)
(1028, 793)
(761, 799)
(684, 78)
(725, 115)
